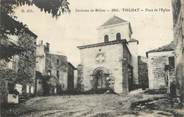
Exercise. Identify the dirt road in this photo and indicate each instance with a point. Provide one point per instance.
(103, 105)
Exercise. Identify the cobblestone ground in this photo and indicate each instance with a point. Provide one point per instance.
(103, 105)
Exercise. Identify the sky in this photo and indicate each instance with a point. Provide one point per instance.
(152, 28)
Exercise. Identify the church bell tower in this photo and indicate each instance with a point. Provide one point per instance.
(114, 29)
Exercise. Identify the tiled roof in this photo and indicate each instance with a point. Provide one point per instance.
(12, 25)
(114, 20)
(168, 47)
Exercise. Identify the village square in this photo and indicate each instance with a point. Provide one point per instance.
(112, 78)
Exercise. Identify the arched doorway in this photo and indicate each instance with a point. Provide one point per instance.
(100, 79)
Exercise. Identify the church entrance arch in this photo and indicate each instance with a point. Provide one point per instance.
(100, 79)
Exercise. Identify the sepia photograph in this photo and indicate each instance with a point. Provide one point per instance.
(91, 58)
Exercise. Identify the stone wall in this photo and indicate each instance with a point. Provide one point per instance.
(75, 78)
(127, 70)
(133, 47)
(58, 67)
(156, 68)
(79, 83)
(40, 58)
(27, 59)
(112, 30)
(112, 63)
(53, 65)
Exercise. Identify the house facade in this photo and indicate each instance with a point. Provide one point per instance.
(54, 66)
(108, 64)
(18, 73)
(159, 60)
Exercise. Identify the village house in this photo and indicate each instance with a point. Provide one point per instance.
(178, 28)
(161, 66)
(112, 62)
(54, 73)
(17, 77)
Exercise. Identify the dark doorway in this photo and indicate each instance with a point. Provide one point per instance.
(100, 81)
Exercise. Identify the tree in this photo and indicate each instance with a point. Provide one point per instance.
(54, 7)
(8, 24)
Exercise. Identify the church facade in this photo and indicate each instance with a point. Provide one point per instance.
(111, 63)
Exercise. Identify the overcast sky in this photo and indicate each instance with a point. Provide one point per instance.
(152, 29)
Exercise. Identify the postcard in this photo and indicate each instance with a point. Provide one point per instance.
(91, 58)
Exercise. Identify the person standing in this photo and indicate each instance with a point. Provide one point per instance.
(173, 95)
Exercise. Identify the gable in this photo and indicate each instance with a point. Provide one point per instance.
(114, 20)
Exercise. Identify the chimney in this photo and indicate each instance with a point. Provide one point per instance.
(40, 42)
(47, 47)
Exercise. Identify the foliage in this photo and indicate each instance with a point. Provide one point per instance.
(54, 7)
(8, 74)
(8, 24)
(14, 77)
(27, 59)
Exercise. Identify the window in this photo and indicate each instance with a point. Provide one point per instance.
(172, 62)
(11, 87)
(57, 74)
(49, 72)
(106, 38)
(118, 36)
(10, 64)
(27, 88)
(57, 61)
(34, 43)
(32, 89)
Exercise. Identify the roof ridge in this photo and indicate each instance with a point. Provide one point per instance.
(168, 47)
(114, 20)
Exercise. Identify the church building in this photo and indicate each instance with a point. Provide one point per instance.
(112, 62)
